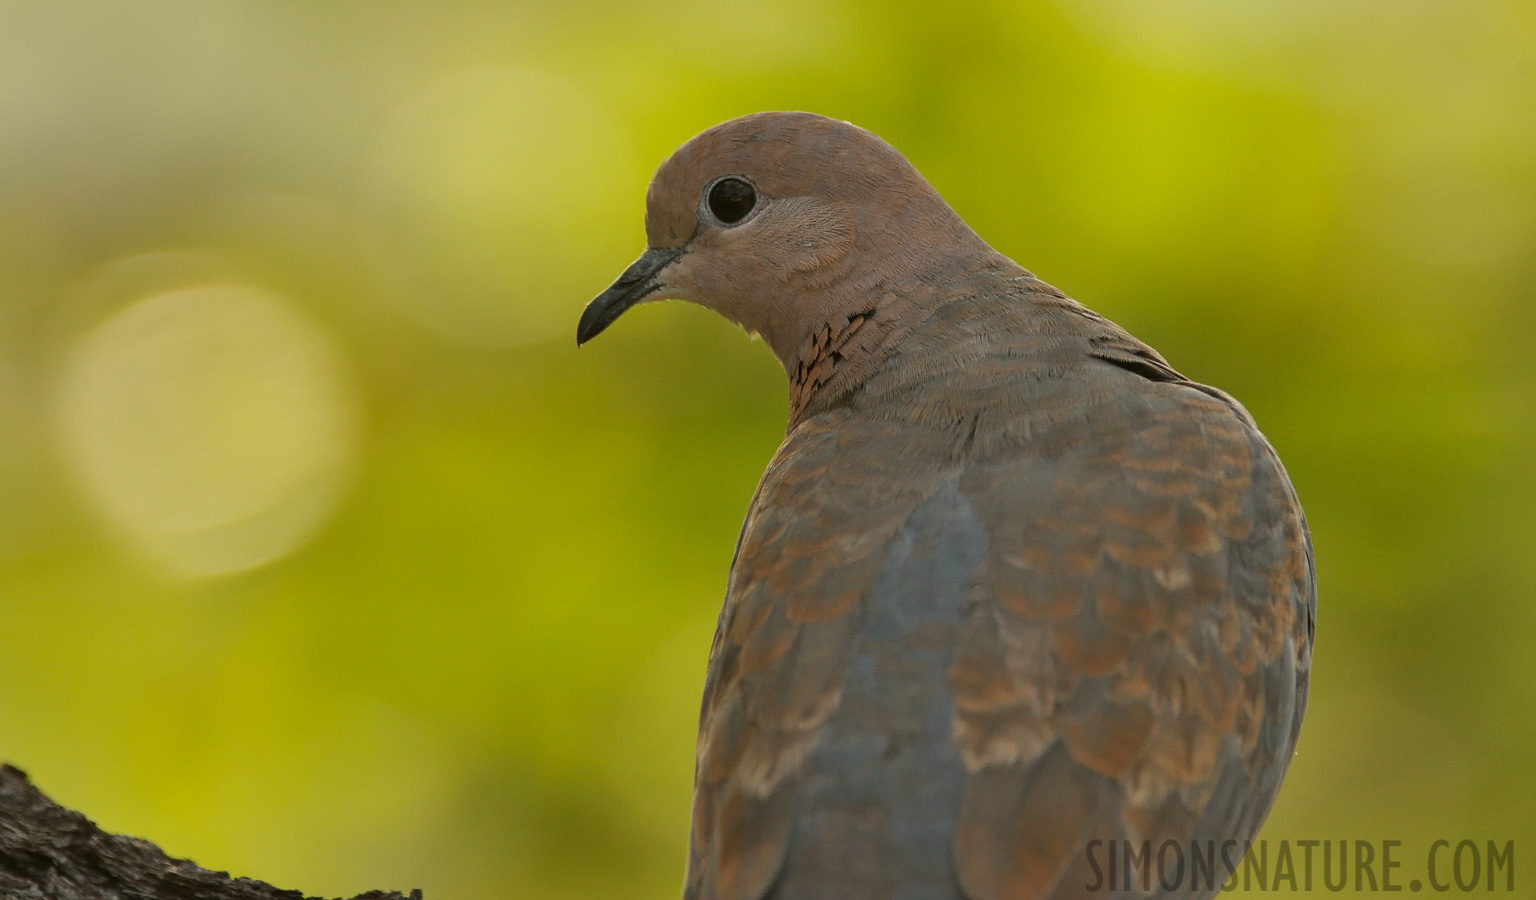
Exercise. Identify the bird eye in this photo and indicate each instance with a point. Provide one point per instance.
(731, 199)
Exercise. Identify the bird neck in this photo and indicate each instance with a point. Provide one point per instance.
(845, 349)
(829, 356)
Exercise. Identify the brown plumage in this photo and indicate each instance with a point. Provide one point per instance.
(1011, 585)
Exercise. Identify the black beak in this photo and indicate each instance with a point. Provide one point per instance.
(637, 283)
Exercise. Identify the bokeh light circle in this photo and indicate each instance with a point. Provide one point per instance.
(211, 423)
(501, 199)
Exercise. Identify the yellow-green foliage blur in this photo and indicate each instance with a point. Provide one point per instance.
(326, 558)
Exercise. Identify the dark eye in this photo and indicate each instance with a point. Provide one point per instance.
(731, 199)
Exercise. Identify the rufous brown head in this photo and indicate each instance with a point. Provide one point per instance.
(780, 220)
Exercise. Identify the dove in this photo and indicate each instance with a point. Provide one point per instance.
(1014, 602)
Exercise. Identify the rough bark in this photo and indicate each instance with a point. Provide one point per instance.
(48, 852)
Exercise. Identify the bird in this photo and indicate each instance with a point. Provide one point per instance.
(1012, 595)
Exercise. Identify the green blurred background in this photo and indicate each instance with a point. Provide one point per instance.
(326, 558)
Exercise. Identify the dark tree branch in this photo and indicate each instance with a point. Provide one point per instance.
(48, 852)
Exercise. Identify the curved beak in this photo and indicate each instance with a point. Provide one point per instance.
(638, 282)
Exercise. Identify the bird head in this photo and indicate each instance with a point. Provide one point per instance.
(778, 221)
